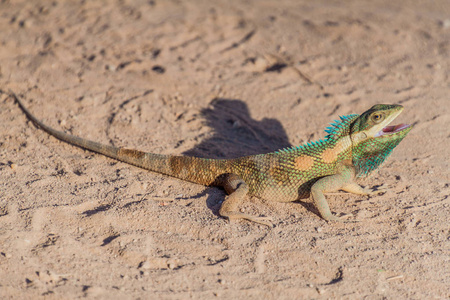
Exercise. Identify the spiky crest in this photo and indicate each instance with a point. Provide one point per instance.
(340, 127)
(337, 129)
(306, 146)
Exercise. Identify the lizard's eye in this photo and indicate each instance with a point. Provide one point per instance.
(377, 118)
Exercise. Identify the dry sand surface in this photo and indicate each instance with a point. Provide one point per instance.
(218, 79)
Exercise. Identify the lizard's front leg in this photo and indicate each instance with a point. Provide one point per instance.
(330, 184)
(237, 190)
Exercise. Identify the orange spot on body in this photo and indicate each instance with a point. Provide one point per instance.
(331, 155)
(303, 163)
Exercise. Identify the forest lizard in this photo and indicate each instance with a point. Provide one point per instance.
(354, 146)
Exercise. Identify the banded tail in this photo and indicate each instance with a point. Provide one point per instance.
(198, 170)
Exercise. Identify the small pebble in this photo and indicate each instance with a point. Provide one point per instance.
(446, 23)
(145, 265)
(111, 68)
(172, 266)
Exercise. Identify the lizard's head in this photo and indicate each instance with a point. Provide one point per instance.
(374, 124)
(373, 139)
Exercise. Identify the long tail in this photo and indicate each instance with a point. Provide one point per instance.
(198, 170)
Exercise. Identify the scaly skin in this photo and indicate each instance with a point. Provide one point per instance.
(354, 147)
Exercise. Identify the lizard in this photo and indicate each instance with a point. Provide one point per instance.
(354, 146)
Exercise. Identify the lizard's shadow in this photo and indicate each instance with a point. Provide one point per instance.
(235, 134)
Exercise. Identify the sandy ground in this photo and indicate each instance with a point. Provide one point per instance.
(218, 79)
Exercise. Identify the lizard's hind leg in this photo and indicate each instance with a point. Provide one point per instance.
(237, 190)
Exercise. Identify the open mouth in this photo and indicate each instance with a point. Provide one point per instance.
(392, 129)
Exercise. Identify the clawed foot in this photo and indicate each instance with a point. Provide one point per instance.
(267, 221)
(378, 190)
(344, 218)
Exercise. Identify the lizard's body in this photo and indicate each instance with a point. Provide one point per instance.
(351, 149)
